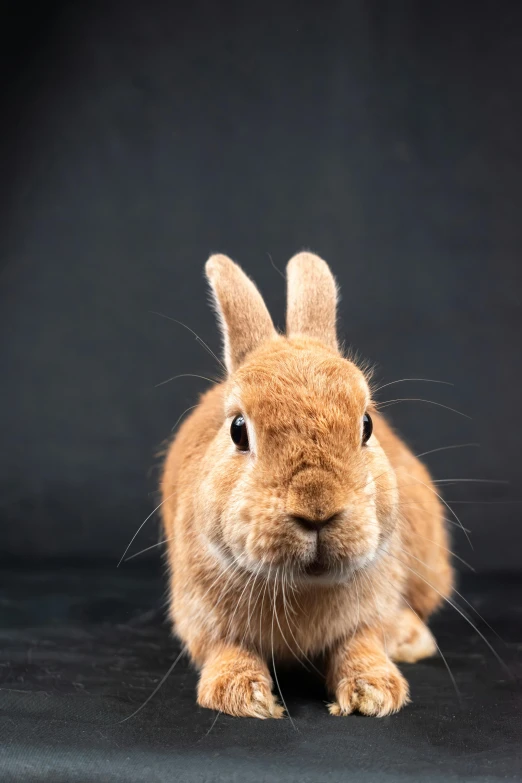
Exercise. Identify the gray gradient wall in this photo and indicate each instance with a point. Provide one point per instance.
(138, 138)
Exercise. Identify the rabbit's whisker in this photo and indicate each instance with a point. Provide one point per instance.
(444, 659)
(185, 375)
(445, 548)
(403, 503)
(356, 627)
(295, 592)
(234, 570)
(486, 502)
(191, 408)
(238, 604)
(267, 579)
(221, 573)
(447, 448)
(307, 659)
(470, 481)
(229, 586)
(420, 380)
(409, 554)
(156, 689)
(251, 611)
(198, 338)
(275, 267)
(147, 549)
(387, 403)
(372, 479)
(276, 588)
(122, 558)
(375, 603)
(291, 609)
(288, 626)
(442, 501)
(212, 725)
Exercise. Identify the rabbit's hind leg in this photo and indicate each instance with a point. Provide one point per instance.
(411, 639)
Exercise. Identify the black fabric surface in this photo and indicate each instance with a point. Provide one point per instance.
(82, 649)
(139, 137)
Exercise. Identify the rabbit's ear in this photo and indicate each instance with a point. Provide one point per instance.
(245, 322)
(311, 299)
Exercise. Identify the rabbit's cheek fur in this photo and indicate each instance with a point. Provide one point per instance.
(244, 514)
(364, 529)
(214, 501)
(254, 529)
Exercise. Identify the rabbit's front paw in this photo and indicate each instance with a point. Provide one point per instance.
(239, 687)
(376, 693)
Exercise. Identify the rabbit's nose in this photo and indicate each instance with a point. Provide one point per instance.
(314, 498)
(314, 524)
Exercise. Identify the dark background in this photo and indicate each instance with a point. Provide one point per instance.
(139, 137)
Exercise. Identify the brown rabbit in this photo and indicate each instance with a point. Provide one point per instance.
(299, 524)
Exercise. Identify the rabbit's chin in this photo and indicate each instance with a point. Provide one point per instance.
(313, 572)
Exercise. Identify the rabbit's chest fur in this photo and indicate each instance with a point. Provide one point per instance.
(278, 615)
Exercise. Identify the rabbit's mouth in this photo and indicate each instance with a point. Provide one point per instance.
(327, 567)
(320, 569)
(317, 567)
(321, 564)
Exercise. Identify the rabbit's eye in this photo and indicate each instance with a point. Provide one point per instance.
(367, 427)
(239, 434)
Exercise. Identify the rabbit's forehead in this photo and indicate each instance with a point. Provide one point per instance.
(306, 389)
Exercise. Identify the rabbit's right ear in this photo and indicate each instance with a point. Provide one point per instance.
(311, 299)
(245, 322)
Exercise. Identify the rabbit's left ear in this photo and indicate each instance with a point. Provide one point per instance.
(245, 322)
(311, 299)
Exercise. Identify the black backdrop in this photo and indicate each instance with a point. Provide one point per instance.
(139, 137)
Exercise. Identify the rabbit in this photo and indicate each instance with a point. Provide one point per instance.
(299, 526)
